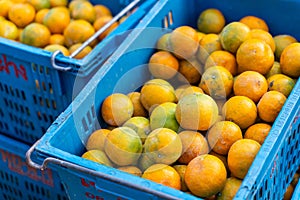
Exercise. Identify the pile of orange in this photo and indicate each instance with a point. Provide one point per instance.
(199, 123)
(54, 24)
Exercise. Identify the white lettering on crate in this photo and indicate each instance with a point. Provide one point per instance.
(17, 164)
(87, 183)
(5, 66)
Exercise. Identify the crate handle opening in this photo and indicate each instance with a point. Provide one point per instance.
(55, 66)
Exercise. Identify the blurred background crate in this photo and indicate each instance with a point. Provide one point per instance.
(126, 71)
(33, 93)
(19, 181)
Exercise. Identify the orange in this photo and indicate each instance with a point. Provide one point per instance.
(86, 50)
(140, 125)
(222, 58)
(258, 132)
(240, 110)
(162, 145)
(123, 146)
(211, 21)
(281, 83)
(275, 69)
(100, 22)
(163, 174)
(102, 10)
(222, 135)
(55, 3)
(217, 81)
(282, 41)
(39, 4)
(208, 44)
(116, 109)
(155, 92)
(97, 139)
(289, 62)
(83, 10)
(193, 145)
(163, 42)
(57, 39)
(189, 71)
(233, 35)
(270, 105)
(163, 116)
(230, 189)
(254, 55)
(21, 14)
(223, 158)
(189, 90)
(78, 31)
(138, 109)
(205, 175)
(181, 171)
(184, 42)
(262, 35)
(57, 19)
(163, 64)
(196, 112)
(39, 16)
(131, 170)
(97, 156)
(250, 84)
(4, 7)
(57, 47)
(35, 34)
(8, 30)
(241, 155)
(254, 22)
(200, 35)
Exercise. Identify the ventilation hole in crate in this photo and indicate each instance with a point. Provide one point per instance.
(54, 104)
(6, 89)
(17, 93)
(37, 84)
(41, 69)
(170, 18)
(47, 71)
(11, 117)
(44, 86)
(22, 109)
(89, 117)
(11, 104)
(1, 87)
(1, 113)
(32, 126)
(44, 129)
(45, 117)
(93, 112)
(1, 125)
(51, 118)
(41, 101)
(27, 111)
(289, 141)
(85, 127)
(50, 88)
(11, 91)
(33, 67)
(260, 192)
(165, 22)
(34, 99)
(20, 121)
(16, 107)
(23, 95)
(6, 102)
(47, 103)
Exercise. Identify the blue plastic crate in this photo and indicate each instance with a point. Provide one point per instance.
(296, 194)
(126, 70)
(19, 181)
(33, 93)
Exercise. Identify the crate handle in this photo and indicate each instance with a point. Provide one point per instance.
(101, 175)
(54, 65)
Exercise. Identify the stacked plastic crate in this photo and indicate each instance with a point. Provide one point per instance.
(35, 87)
(271, 171)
